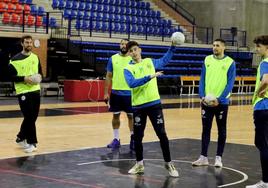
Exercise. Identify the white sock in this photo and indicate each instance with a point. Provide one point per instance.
(116, 134)
(140, 162)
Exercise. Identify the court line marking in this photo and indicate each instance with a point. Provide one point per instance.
(245, 176)
(57, 180)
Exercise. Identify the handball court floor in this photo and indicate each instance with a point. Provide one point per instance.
(72, 148)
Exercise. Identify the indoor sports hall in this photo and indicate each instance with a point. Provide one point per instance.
(74, 40)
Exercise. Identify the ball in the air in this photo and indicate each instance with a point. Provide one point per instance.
(36, 78)
(210, 99)
(178, 38)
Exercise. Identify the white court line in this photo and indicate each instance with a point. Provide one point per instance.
(245, 176)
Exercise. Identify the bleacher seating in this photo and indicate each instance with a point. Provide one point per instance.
(186, 63)
(12, 13)
(126, 16)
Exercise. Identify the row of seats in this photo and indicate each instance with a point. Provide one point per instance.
(186, 61)
(17, 19)
(81, 15)
(73, 4)
(118, 27)
(19, 8)
(118, 10)
(14, 8)
(29, 20)
(18, 1)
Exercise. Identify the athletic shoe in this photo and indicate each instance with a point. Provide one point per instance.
(22, 143)
(114, 144)
(131, 144)
(137, 169)
(30, 149)
(260, 184)
(218, 162)
(171, 169)
(202, 161)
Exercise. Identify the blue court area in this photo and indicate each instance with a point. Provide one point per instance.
(102, 167)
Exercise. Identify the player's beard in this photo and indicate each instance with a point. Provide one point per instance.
(28, 49)
(123, 51)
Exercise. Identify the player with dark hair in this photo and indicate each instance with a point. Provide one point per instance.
(260, 103)
(141, 77)
(120, 97)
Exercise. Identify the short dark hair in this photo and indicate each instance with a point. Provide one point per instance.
(25, 37)
(262, 39)
(124, 39)
(132, 43)
(220, 40)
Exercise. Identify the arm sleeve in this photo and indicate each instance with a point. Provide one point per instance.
(12, 74)
(158, 63)
(202, 82)
(132, 82)
(263, 69)
(230, 82)
(109, 66)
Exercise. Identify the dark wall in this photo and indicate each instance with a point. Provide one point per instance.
(8, 48)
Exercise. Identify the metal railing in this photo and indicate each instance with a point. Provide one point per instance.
(187, 15)
(234, 37)
(193, 33)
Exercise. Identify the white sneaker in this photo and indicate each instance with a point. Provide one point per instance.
(30, 149)
(23, 144)
(171, 169)
(260, 184)
(201, 161)
(218, 162)
(137, 169)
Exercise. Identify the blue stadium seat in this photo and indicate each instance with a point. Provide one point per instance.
(85, 24)
(33, 10)
(55, 3)
(80, 14)
(111, 9)
(86, 15)
(128, 10)
(133, 4)
(82, 6)
(147, 6)
(53, 22)
(41, 11)
(67, 13)
(78, 25)
(69, 4)
(105, 8)
(61, 4)
(29, 2)
(144, 12)
(104, 27)
(127, 3)
(158, 14)
(73, 14)
(75, 5)
(94, 7)
(88, 6)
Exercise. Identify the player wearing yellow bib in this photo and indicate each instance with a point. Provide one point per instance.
(260, 103)
(22, 66)
(217, 79)
(141, 77)
(120, 97)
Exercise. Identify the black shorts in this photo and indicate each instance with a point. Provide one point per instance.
(120, 103)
